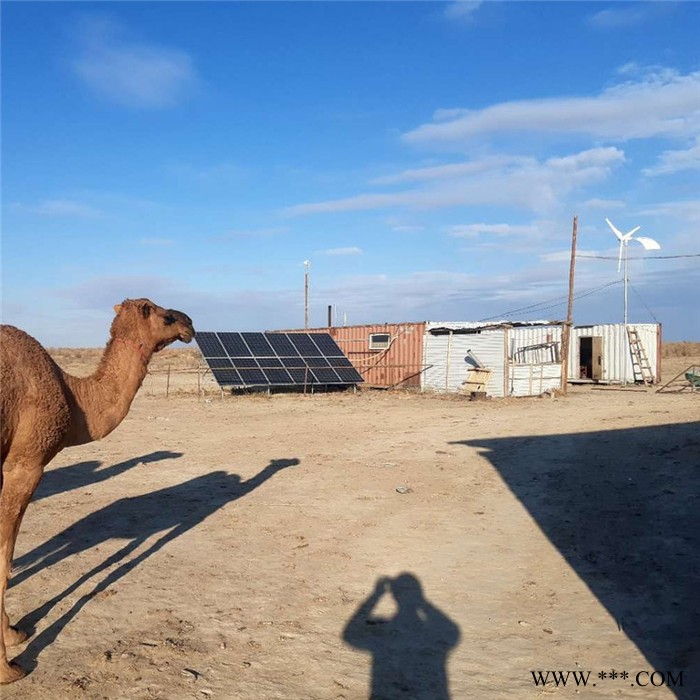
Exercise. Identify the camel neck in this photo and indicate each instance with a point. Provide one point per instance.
(102, 400)
(138, 347)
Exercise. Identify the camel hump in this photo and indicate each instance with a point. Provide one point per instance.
(31, 387)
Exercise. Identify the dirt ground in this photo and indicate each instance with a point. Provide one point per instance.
(378, 544)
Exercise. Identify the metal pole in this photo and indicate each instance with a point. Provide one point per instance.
(566, 334)
(307, 264)
(330, 315)
(625, 317)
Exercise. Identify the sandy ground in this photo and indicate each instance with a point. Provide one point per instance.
(377, 544)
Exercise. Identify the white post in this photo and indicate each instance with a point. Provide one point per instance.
(625, 321)
(307, 265)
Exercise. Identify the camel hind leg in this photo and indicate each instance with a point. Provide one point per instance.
(19, 480)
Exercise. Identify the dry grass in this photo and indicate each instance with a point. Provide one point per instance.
(685, 348)
(84, 361)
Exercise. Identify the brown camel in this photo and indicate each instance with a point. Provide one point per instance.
(44, 410)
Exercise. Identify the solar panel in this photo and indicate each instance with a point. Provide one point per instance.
(258, 344)
(234, 345)
(304, 344)
(282, 345)
(276, 359)
(326, 345)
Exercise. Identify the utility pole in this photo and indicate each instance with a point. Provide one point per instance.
(307, 265)
(566, 335)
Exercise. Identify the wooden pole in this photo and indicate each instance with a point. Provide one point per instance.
(307, 264)
(566, 335)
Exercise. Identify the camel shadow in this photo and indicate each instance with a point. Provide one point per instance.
(621, 506)
(410, 649)
(75, 476)
(172, 511)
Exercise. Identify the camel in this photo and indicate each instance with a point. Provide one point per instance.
(44, 410)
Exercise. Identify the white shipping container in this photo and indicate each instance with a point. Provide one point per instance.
(610, 342)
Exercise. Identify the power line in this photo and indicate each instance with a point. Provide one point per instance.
(552, 303)
(649, 257)
(641, 298)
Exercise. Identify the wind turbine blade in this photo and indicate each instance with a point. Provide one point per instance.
(619, 257)
(615, 231)
(648, 243)
(631, 233)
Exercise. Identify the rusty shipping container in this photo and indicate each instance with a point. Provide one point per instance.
(385, 354)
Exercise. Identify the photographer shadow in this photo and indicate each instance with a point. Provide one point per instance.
(410, 649)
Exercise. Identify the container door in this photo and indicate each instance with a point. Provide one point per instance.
(597, 358)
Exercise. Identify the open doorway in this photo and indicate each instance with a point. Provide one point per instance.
(591, 358)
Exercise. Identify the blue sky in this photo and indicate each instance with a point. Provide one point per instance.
(426, 157)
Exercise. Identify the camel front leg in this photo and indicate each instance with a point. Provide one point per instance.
(11, 635)
(18, 485)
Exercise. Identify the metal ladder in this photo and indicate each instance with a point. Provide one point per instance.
(641, 369)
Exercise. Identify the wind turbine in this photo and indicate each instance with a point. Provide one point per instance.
(625, 238)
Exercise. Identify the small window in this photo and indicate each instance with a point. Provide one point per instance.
(379, 341)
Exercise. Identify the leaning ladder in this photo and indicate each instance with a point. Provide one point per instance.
(641, 369)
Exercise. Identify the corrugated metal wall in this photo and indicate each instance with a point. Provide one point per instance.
(445, 356)
(446, 365)
(617, 359)
(532, 372)
(399, 365)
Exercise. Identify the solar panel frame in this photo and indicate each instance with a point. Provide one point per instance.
(251, 359)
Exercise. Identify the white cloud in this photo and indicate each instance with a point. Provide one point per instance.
(462, 10)
(687, 211)
(68, 208)
(475, 230)
(535, 186)
(605, 204)
(440, 172)
(621, 17)
(349, 250)
(675, 161)
(660, 104)
(132, 74)
(407, 228)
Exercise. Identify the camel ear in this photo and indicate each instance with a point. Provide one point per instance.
(117, 308)
(146, 310)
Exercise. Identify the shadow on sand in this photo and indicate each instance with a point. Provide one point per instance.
(75, 476)
(171, 511)
(623, 508)
(409, 650)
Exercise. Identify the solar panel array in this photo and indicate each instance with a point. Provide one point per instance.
(275, 359)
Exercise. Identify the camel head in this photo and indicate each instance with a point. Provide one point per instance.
(142, 321)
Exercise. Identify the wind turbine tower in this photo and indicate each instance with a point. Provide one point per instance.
(625, 238)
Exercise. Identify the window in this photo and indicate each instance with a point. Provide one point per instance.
(379, 341)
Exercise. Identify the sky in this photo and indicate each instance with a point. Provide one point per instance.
(427, 158)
